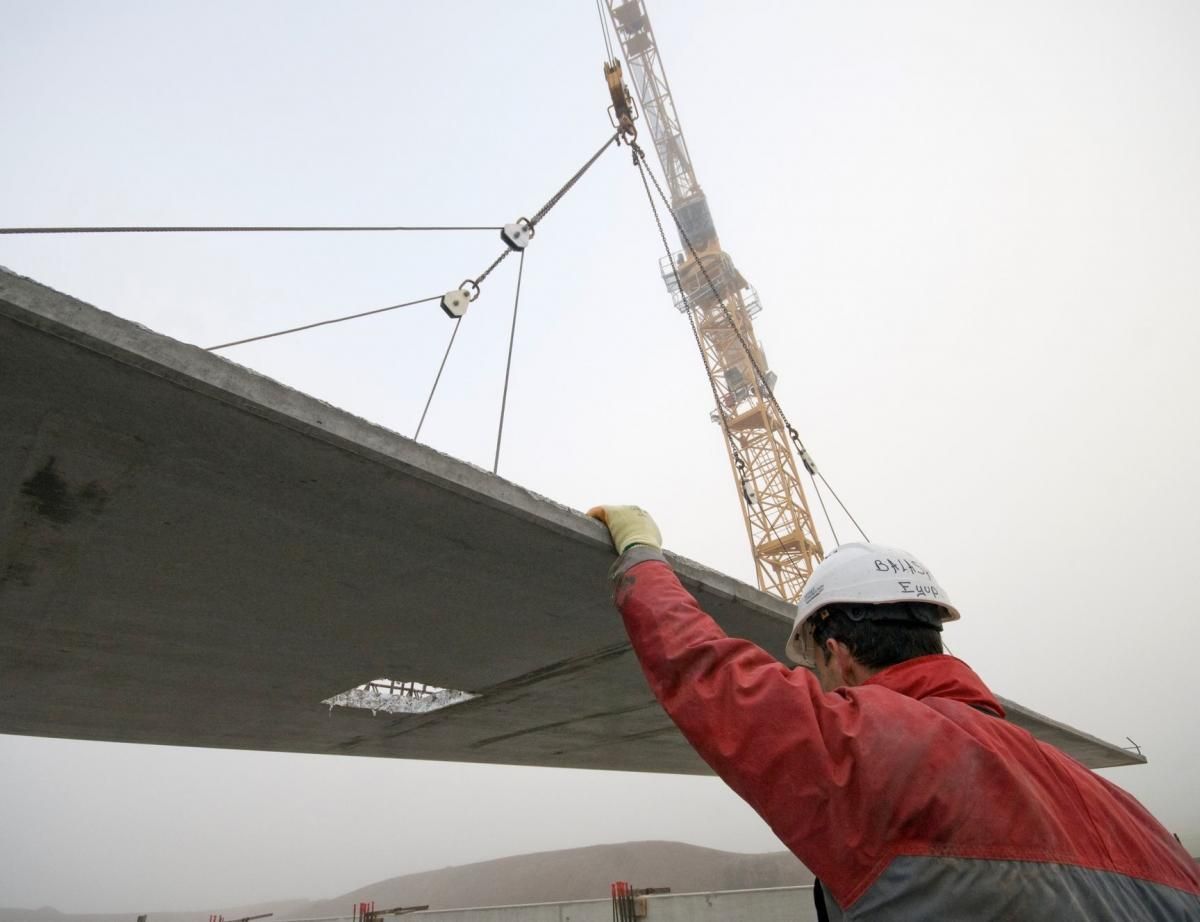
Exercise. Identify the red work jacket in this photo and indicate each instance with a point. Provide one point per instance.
(910, 797)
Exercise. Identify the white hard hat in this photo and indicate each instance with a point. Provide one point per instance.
(866, 574)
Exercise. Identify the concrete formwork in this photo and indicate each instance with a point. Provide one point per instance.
(192, 554)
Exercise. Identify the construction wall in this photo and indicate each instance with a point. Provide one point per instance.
(777, 904)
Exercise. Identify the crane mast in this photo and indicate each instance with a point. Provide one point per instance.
(778, 522)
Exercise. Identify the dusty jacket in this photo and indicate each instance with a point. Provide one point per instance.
(910, 797)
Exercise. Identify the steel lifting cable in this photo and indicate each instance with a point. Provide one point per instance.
(507, 368)
(737, 456)
(837, 542)
(639, 157)
(608, 52)
(321, 323)
(508, 365)
(738, 461)
(833, 492)
(438, 377)
(244, 229)
(267, 229)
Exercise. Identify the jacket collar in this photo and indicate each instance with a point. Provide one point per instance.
(938, 676)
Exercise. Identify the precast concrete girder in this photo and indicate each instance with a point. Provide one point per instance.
(192, 554)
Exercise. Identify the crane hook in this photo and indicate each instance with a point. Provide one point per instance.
(622, 112)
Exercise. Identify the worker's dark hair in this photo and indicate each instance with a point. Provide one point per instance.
(880, 635)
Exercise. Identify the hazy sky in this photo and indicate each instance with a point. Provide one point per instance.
(974, 230)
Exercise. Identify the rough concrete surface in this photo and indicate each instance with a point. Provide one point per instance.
(193, 554)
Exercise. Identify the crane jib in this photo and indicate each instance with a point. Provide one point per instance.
(766, 455)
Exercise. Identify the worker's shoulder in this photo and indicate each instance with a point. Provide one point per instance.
(998, 752)
(944, 720)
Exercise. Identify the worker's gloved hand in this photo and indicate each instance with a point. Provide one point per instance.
(628, 525)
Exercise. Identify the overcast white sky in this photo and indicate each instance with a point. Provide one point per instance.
(974, 229)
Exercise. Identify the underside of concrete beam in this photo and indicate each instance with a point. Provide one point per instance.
(192, 554)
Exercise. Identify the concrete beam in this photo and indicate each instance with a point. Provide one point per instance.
(192, 554)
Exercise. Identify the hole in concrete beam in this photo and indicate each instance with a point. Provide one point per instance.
(397, 697)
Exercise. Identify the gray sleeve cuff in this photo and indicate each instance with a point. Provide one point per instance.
(639, 553)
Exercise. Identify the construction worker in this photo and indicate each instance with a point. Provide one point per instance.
(889, 769)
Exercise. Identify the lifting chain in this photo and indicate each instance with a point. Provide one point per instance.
(639, 160)
(748, 492)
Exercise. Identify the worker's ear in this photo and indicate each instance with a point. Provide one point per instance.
(829, 651)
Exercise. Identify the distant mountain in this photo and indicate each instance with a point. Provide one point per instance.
(577, 874)
(543, 877)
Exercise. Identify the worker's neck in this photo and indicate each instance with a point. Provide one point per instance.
(836, 667)
(855, 673)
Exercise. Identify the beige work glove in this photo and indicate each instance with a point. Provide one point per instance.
(628, 525)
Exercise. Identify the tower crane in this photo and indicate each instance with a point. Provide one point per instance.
(705, 283)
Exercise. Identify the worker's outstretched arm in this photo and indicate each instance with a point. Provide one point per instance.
(768, 731)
